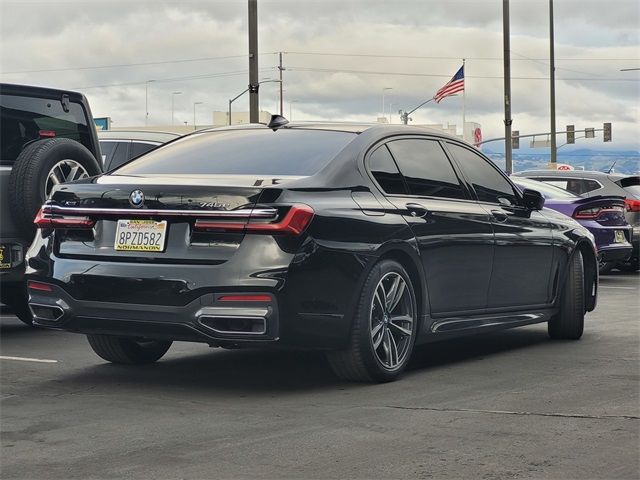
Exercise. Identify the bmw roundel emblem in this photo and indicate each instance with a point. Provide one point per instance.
(136, 198)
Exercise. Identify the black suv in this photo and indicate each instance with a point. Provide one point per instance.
(47, 137)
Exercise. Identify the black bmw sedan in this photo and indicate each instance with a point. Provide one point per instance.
(361, 241)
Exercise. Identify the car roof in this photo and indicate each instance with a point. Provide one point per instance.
(566, 173)
(149, 136)
(351, 127)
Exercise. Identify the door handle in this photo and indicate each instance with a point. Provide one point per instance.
(417, 210)
(499, 216)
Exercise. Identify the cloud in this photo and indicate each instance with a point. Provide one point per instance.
(592, 44)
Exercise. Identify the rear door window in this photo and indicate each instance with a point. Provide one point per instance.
(251, 151)
(23, 118)
(386, 172)
(120, 155)
(489, 183)
(426, 168)
(138, 148)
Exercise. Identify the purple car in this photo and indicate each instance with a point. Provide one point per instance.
(602, 215)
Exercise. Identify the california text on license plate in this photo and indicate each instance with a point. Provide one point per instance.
(140, 235)
(620, 238)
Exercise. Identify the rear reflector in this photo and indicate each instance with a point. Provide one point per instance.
(632, 205)
(244, 298)
(295, 222)
(46, 133)
(48, 220)
(43, 287)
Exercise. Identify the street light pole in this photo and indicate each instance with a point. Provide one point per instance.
(254, 104)
(384, 89)
(194, 113)
(291, 109)
(173, 96)
(507, 87)
(146, 102)
(552, 76)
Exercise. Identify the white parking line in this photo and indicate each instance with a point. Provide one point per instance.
(621, 288)
(25, 359)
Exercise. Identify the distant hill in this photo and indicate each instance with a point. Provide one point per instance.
(626, 161)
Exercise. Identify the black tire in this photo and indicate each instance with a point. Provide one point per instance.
(568, 324)
(30, 172)
(359, 361)
(15, 297)
(128, 350)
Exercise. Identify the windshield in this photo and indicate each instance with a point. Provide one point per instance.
(293, 152)
(547, 191)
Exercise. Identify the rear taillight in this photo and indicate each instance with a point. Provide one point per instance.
(595, 212)
(294, 222)
(46, 219)
(632, 205)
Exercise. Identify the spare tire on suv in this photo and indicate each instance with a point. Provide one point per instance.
(39, 167)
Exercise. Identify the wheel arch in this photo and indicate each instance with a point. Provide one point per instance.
(406, 256)
(590, 263)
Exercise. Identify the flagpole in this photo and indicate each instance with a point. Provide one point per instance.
(464, 97)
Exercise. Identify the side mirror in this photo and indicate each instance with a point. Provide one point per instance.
(533, 200)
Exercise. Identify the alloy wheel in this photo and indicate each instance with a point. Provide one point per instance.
(62, 172)
(392, 317)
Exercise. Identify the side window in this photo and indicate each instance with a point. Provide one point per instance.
(385, 171)
(487, 181)
(426, 168)
(138, 148)
(106, 149)
(120, 155)
(590, 185)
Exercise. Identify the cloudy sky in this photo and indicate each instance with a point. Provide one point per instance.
(339, 56)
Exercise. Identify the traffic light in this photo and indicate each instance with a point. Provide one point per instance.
(606, 132)
(571, 134)
(589, 133)
(515, 139)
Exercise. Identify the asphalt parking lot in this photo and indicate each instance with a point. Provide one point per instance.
(506, 405)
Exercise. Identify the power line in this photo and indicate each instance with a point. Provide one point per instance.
(424, 57)
(123, 65)
(174, 79)
(448, 75)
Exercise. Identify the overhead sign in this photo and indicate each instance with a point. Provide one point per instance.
(103, 123)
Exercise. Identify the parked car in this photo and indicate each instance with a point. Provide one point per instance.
(118, 147)
(358, 240)
(589, 184)
(47, 137)
(602, 215)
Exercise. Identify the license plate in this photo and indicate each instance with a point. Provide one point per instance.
(619, 237)
(5, 256)
(140, 235)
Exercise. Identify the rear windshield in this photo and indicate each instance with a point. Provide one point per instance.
(631, 185)
(547, 190)
(294, 152)
(23, 118)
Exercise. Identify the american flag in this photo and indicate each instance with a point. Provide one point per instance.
(455, 85)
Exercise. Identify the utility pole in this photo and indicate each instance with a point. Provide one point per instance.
(280, 69)
(552, 76)
(507, 87)
(254, 104)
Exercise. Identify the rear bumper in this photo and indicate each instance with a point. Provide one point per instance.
(615, 252)
(205, 319)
